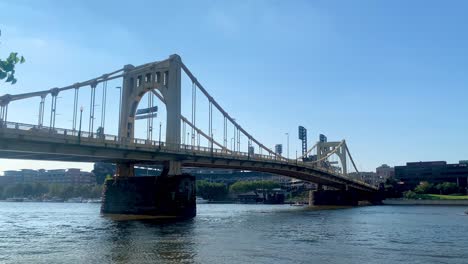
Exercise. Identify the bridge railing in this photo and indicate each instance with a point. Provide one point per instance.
(87, 137)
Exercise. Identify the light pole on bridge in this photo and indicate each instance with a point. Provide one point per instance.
(287, 141)
(79, 129)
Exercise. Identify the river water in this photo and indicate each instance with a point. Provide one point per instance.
(232, 233)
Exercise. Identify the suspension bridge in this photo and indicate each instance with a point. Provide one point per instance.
(197, 139)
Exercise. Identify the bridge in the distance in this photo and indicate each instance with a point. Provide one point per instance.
(186, 142)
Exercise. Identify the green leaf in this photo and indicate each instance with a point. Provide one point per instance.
(10, 78)
(9, 67)
(13, 55)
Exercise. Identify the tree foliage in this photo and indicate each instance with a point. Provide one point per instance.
(410, 195)
(392, 188)
(247, 186)
(40, 190)
(424, 187)
(102, 171)
(211, 190)
(441, 188)
(447, 188)
(7, 67)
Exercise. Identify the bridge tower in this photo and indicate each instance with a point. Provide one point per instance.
(165, 77)
(161, 196)
(325, 148)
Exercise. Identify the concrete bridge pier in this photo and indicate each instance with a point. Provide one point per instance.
(164, 196)
(125, 170)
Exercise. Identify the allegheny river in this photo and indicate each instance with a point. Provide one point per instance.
(233, 233)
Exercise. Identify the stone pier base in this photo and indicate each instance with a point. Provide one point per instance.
(164, 196)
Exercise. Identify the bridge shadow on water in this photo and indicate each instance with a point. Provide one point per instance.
(146, 239)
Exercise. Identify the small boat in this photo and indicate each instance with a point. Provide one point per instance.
(15, 199)
(98, 200)
(54, 200)
(74, 200)
(297, 204)
(200, 200)
(31, 200)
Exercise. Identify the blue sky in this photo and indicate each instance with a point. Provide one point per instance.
(387, 76)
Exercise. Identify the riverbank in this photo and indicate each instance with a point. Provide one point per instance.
(425, 202)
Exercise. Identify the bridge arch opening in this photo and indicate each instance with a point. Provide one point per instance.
(150, 116)
(336, 163)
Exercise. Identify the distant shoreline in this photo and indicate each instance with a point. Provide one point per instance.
(423, 202)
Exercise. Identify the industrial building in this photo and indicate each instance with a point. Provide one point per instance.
(384, 171)
(432, 171)
(62, 176)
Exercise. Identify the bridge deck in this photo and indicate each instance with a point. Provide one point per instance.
(23, 141)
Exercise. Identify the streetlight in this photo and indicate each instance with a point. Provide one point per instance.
(287, 135)
(81, 118)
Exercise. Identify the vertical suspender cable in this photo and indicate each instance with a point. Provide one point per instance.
(152, 114)
(51, 111)
(75, 108)
(55, 111)
(234, 139)
(103, 109)
(53, 108)
(225, 131)
(194, 103)
(39, 115)
(210, 125)
(198, 139)
(238, 140)
(149, 122)
(91, 109)
(4, 113)
(184, 127)
(41, 112)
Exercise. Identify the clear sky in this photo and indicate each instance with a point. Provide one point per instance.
(390, 77)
